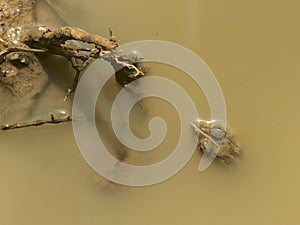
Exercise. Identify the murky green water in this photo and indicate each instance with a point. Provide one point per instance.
(253, 49)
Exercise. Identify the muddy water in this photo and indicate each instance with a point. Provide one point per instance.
(253, 48)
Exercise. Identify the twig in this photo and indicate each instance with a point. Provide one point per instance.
(131, 67)
(10, 49)
(54, 118)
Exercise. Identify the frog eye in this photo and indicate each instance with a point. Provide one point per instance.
(218, 132)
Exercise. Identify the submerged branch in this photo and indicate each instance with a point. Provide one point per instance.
(53, 118)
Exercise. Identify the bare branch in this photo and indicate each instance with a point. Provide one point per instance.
(54, 118)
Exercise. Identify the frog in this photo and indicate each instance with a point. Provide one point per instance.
(212, 130)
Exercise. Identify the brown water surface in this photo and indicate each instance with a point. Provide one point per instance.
(253, 48)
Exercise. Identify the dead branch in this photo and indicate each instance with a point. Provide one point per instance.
(22, 76)
(54, 41)
(47, 40)
(45, 36)
(53, 118)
